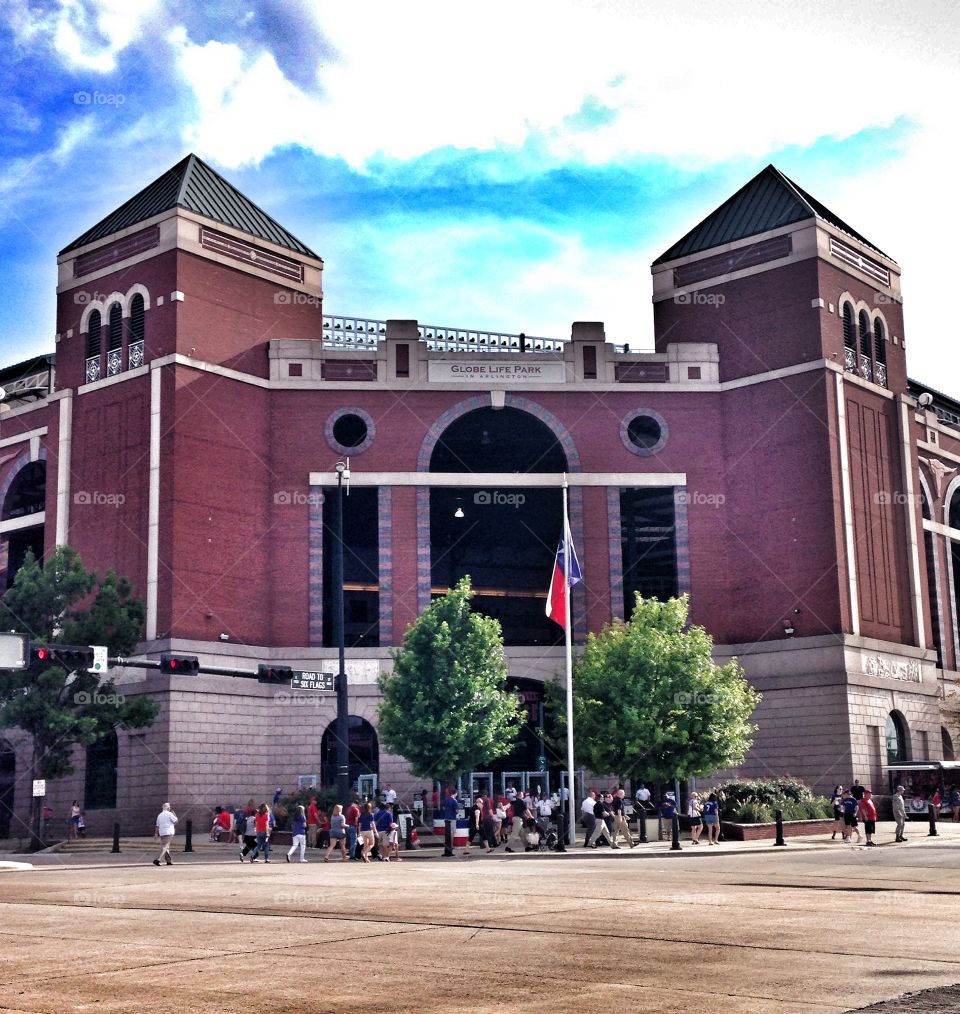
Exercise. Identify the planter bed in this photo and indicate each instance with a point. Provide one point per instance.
(791, 829)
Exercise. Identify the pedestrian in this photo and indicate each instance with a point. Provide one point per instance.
(476, 818)
(711, 818)
(81, 826)
(836, 799)
(352, 818)
(668, 807)
(338, 833)
(313, 822)
(955, 803)
(323, 829)
(608, 821)
(868, 814)
(935, 803)
(249, 833)
(899, 812)
(587, 818)
(600, 811)
(298, 826)
(367, 832)
(165, 830)
(856, 790)
(695, 813)
(850, 806)
(643, 798)
(620, 825)
(262, 825)
(73, 834)
(382, 821)
(488, 827)
(515, 814)
(451, 810)
(390, 795)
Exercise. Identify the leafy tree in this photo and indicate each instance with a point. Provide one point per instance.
(649, 698)
(55, 708)
(446, 707)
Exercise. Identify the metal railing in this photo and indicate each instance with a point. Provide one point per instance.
(362, 333)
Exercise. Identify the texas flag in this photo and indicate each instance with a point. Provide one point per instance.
(559, 583)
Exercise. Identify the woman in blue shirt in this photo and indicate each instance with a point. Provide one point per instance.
(711, 819)
(298, 825)
(366, 831)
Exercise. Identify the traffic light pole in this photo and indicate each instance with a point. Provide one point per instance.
(343, 727)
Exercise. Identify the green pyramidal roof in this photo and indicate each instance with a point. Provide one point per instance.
(770, 200)
(193, 185)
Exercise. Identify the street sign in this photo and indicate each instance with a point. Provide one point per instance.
(541, 763)
(39, 787)
(13, 651)
(306, 680)
(99, 658)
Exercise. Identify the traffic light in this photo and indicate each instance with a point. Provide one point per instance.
(72, 656)
(41, 657)
(179, 665)
(274, 673)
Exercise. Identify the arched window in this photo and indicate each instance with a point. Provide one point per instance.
(896, 738)
(93, 346)
(947, 742)
(363, 753)
(115, 340)
(880, 351)
(26, 496)
(953, 513)
(100, 788)
(8, 781)
(849, 340)
(135, 351)
(866, 340)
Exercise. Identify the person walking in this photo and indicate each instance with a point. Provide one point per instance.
(313, 823)
(695, 813)
(249, 841)
(367, 833)
(668, 807)
(515, 812)
(488, 827)
(74, 832)
(868, 814)
(851, 807)
(298, 826)
(451, 810)
(382, 822)
(338, 833)
(165, 830)
(352, 819)
(262, 825)
(899, 812)
(588, 818)
(836, 801)
(711, 818)
(955, 803)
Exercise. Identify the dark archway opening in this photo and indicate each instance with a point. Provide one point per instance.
(8, 779)
(362, 746)
(504, 538)
(26, 496)
(100, 783)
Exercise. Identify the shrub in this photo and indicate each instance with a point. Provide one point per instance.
(753, 801)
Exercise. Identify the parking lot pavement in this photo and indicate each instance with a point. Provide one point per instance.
(740, 929)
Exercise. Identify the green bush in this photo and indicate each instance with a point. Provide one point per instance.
(753, 801)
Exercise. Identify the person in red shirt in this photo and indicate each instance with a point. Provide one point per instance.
(352, 818)
(263, 834)
(313, 821)
(868, 814)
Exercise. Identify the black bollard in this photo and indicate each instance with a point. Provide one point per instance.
(408, 843)
(778, 816)
(116, 840)
(675, 845)
(448, 838)
(932, 833)
(188, 844)
(642, 818)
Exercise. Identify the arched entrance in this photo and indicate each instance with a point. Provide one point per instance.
(26, 496)
(100, 783)
(8, 779)
(363, 751)
(505, 539)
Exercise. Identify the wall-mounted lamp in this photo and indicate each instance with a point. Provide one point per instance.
(788, 628)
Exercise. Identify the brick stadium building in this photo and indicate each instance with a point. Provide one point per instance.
(770, 457)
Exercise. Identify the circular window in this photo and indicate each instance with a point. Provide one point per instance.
(643, 432)
(350, 431)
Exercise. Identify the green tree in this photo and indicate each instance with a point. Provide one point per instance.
(59, 710)
(648, 698)
(446, 707)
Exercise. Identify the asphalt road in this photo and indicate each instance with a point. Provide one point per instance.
(810, 928)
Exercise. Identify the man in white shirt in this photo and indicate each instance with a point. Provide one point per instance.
(390, 796)
(643, 797)
(166, 829)
(588, 818)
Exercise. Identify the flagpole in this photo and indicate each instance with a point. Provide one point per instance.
(568, 637)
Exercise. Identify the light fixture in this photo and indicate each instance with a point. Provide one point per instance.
(788, 628)
(224, 637)
(458, 513)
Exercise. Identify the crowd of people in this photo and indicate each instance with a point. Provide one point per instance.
(853, 805)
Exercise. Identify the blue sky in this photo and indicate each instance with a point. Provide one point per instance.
(511, 166)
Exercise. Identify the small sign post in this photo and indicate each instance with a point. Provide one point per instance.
(99, 663)
(307, 680)
(39, 788)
